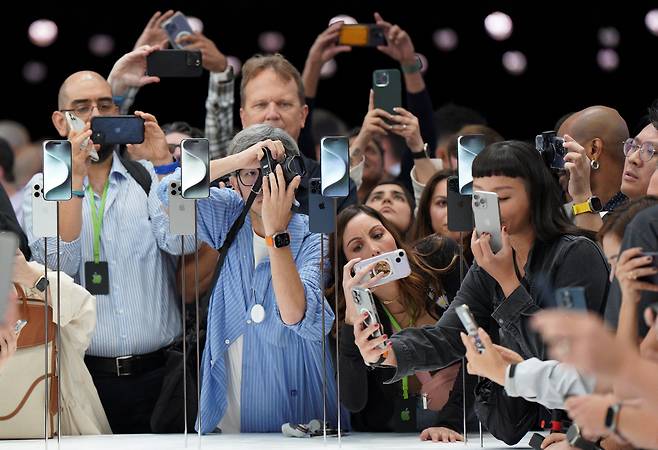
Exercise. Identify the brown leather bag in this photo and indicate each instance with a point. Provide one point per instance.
(15, 421)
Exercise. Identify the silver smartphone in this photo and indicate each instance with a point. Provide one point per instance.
(20, 324)
(78, 125)
(395, 266)
(57, 172)
(195, 168)
(181, 211)
(466, 316)
(365, 303)
(8, 246)
(44, 213)
(486, 215)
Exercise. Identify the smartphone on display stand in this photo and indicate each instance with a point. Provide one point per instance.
(57, 176)
(174, 64)
(361, 35)
(78, 125)
(486, 215)
(8, 247)
(181, 211)
(387, 89)
(394, 265)
(195, 168)
(334, 166)
(44, 213)
(321, 213)
(365, 303)
(466, 317)
(176, 27)
(571, 298)
(117, 130)
(460, 207)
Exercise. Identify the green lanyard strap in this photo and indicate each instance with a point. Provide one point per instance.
(97, 218)
(396, 327)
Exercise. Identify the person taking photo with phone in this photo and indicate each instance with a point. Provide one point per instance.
(429, 402)
(541, 251)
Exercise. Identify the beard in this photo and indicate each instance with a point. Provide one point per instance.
(103, 153)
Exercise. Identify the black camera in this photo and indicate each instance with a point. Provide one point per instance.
(292, 165)
(551, 148)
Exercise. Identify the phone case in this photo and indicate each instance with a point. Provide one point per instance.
(468, 321)
(571, 298)
(395, 262)
(176, 27)
(387, 89)
(334, 166)
(112, 130)
(486, 215)
(321, 210)
(174, 64)
(44, 213)
(57, 177)
(361, 35)
(460, 208)
(181, 212)
(8, 246)
(78, 125)
(195, 168)
(365, 303)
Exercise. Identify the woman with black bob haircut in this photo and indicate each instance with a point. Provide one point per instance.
(541, 251)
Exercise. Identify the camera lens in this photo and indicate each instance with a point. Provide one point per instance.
(397, 260)
(401, 254)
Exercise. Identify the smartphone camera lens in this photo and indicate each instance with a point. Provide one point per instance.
(397, 260)
(381, 79)
(173, 185)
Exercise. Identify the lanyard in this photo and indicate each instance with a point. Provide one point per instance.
(97, 218)
(396, 326)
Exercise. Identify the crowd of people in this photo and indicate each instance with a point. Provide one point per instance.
(267, 314)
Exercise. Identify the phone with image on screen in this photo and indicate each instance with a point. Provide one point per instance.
(195, 168)
(57, 175)
(361, 35)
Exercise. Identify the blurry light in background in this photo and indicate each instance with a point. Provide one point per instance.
(42, 32)
(515, 62)
(608, 59)
(345, 18)
(651, 21)
(236, 63)
(328, 69)
(271, 41)
(101, 44)
(34, 72)
(424, 62)
(195, 24)
(609, 37)
(445, 39)
(498, 25)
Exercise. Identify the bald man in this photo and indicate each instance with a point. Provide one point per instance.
(595, 162)
(125, 257)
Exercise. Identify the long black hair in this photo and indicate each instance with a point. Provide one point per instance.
(517, 159)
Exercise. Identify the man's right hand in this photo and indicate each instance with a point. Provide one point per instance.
(80, 155)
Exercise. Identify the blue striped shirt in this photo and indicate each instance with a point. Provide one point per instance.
(281, 364)
(140, 314)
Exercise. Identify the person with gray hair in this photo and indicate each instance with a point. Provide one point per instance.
(262, 363)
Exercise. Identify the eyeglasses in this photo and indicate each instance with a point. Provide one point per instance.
(84, 110)
(646, 150)
(248, 177)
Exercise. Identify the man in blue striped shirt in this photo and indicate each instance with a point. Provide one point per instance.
(262, 364)
(115, 241)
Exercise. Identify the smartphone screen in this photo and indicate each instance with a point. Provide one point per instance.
(195, 168)
(335, 166)
(113, 130)
(571, 298)
(361, 35)
(57, 178)
(8, 246)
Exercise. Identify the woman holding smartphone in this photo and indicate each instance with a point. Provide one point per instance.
(426, 401)
(541, 251)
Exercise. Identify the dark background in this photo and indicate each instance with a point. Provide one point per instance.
(558, 38)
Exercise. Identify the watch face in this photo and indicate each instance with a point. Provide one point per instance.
(282, 240)
(596, 204)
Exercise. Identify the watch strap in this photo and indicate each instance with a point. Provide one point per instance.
(413, 68)
(422, 154)
(580, 208)
(612, 417)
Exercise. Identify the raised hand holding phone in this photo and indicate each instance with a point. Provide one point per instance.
(499, 265)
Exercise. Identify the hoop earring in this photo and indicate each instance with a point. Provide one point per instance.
(595, 164)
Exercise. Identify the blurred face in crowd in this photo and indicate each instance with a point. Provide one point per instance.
(637, 170)
(514, 201)
(173, 140)
(243, 181)
(271, 99)
(365, 237)
(391, 201)
(439, 210)
(611, 244)
(373, 162)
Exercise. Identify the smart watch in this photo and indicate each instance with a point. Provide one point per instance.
(42, 284)
(593, 205)
(576, 440)
(612, 417)
(278, 240)
(421, 154)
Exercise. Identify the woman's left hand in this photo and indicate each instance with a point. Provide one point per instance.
(499, 265)
(406, 125)
(277, 201)
(440, 434)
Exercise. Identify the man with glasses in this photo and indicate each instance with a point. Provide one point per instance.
(115, 241)
(640, 162)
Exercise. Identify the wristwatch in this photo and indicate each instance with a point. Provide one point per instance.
(612, 417)
(576, 440)
(42, 284)
(593, 204)
(413, 68)
(422, 154)
(225, 76)
(278, 240)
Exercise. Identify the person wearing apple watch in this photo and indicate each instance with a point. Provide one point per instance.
(265, 312)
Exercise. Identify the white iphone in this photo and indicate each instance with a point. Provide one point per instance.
(486, 215)
(44, 213)
(395, 266)
(78, 125)
(181, 211)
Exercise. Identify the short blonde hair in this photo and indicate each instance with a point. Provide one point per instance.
(279, 64)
